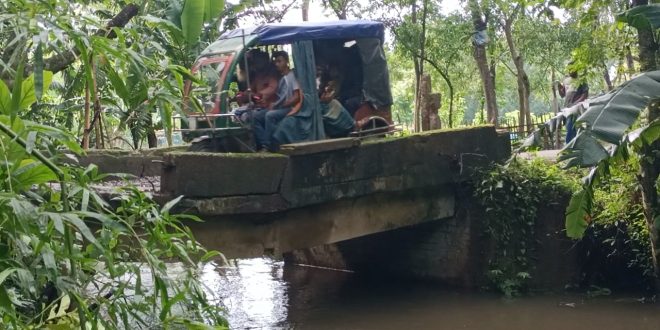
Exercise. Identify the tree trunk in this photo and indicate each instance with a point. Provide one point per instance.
(445, 77)
(424, 94)
(492, 69)
(524, 116)
(420, 60)
(340, 7)
(608, 80)
(630, 61)
(86, 126)
(650, 162)
(305, 10)
(555, 100)
(555, 109)
(480, 56)
(98, 128)
(418, 76)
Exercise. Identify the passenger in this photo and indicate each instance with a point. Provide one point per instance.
(350, 91)
(288, 103)
(337, 121)
(263, 85)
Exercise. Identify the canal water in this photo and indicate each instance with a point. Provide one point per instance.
(264, 294)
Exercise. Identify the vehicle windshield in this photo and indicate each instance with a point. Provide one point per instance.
(211, 73)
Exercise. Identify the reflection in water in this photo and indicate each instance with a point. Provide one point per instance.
(264, 294)
(252, 291)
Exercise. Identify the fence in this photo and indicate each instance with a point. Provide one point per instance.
(511, 125)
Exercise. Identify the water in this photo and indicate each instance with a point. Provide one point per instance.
(264, 294)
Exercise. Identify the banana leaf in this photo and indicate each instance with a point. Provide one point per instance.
(609, 117)
(642, 17)
(192, 19)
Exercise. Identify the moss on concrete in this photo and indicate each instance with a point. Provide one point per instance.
(255, 155)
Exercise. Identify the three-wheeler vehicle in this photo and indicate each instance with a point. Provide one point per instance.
(348, 53)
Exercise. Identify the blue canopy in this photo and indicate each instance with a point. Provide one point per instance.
(282, 33)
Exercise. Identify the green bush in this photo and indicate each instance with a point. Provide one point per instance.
(56, 271)
(511, 195)
(616, 248)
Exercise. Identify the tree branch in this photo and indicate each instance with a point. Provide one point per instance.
(61, 61)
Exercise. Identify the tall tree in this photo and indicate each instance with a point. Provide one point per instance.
(305, 10)
(650, 160)
(479, 42)
(508, 19)
(342, 8)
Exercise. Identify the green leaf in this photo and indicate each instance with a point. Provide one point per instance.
(17, 92)
(210, 255)
(5, 302)
(106, 220)
(117, 84)
(609, 116)
(170, 26)
(30, 141)
(646, 135)
(22, 209)
(27, 93)
(642, 17)
(192, 19)
(31, 172)
(81, 227)
(5, 99)
(578, 213)
(49, 258)
(583, 151)
(215, 8)
(56, 218)
(166, 208)
(5, 273)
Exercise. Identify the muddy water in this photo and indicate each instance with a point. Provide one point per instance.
(263, 294)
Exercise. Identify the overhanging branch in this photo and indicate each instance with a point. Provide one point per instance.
(61, 61)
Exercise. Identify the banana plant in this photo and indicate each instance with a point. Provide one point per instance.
(605, 138)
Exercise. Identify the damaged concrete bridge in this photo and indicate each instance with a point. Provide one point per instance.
(318, 193)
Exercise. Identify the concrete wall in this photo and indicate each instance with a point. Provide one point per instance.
(139, 163)
(320, 172)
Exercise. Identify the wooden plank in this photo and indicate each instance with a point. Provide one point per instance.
(305, 148)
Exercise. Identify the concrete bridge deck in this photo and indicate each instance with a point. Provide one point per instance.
(319, 193)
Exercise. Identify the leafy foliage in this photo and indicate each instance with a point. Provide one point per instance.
(69, 259)
(616, 249)
(511, 196)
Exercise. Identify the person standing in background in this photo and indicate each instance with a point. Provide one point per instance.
(573, 91)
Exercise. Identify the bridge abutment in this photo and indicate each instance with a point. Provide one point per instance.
(454, 251)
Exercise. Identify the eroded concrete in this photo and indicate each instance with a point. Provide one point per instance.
(278, 233)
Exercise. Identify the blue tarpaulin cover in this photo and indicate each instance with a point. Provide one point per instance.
(281, 33)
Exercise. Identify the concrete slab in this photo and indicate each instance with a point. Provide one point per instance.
(208, 175)
(547, 155)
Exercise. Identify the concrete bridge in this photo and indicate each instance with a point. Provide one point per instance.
(319, 193)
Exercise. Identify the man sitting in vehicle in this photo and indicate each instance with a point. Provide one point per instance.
(337, 121)
(289, 100)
